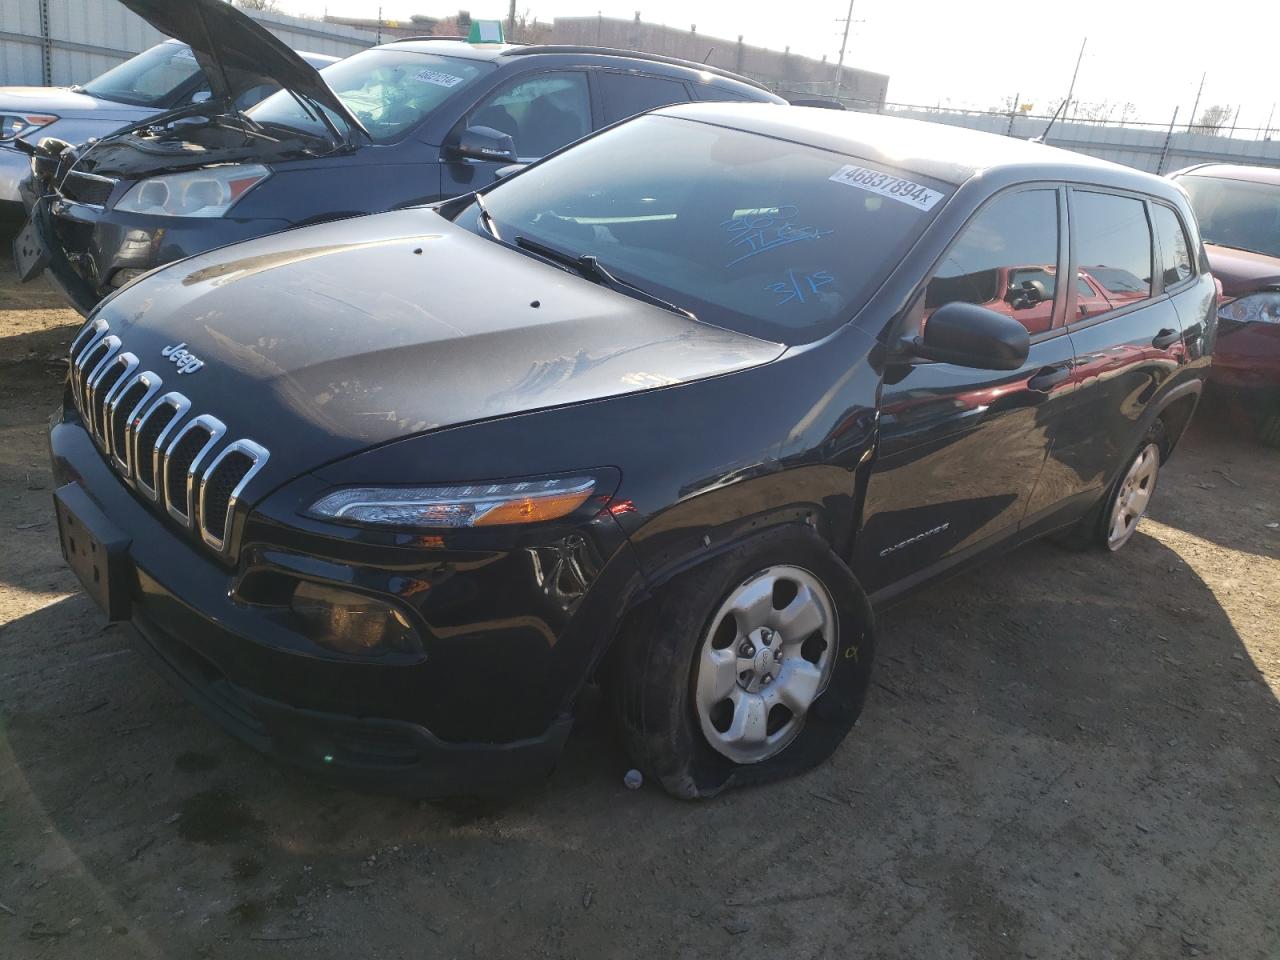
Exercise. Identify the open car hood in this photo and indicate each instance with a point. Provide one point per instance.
(236, 53)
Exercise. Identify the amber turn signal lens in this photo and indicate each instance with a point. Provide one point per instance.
(533, 509)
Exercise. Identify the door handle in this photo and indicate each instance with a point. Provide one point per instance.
(1166, 338)
(1046, 378)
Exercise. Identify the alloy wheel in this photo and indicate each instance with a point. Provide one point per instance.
(1134, 496)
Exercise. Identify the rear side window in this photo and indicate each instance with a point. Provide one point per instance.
(1175, 252)
(1006, 260)
(626, 94)
(1113, 247)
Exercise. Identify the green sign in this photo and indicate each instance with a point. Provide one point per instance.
(486, 31)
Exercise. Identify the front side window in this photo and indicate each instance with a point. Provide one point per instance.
(1113, 247)
(779, 240)
(626, 94)
(542, 114)
(1236, 213)
(389, 90)
(1006, 260)
(150, 79)
(1175, 252)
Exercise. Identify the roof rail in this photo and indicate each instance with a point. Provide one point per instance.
(633, 55)
(441, 37)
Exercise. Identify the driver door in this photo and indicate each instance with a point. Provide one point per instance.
(961, 449)
(541, 113)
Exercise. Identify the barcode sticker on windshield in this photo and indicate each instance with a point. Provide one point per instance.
(439, 79)
(887, 185)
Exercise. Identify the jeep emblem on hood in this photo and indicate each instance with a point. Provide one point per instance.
(182, 358)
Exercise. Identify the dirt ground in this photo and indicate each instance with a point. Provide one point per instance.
(1064, 756)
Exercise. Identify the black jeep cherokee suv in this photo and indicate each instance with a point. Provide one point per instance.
(674, 409)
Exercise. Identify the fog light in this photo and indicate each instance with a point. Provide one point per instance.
(350, 622)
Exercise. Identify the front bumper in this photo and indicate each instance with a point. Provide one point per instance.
(488, 703)
(95, 250)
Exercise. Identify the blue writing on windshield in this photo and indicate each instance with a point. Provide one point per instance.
(759, 231)
(798, 285)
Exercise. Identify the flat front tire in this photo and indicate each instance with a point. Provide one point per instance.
(750, 667)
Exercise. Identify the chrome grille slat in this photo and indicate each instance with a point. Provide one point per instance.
(182, 510)
(179, 404)
(218, 536)
(94, 377)
(141, 431)
(126, 363)
(124, 459)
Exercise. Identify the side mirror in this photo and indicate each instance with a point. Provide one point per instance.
(1028, 295)
(972, 336)
(486, 143)
(201, 96)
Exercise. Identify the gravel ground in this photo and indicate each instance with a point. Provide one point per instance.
(1064, 755)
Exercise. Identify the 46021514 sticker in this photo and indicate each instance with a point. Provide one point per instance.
(887, 185)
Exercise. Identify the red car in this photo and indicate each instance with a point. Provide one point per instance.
(1239, 212)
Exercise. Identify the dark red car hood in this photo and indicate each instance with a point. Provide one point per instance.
(1241, 271)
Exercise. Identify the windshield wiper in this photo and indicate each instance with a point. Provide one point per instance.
(588, 267)
(486, 218)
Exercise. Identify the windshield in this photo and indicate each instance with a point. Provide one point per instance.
(389, 91)
(151, 79)
(1235, 213)
(762, 236)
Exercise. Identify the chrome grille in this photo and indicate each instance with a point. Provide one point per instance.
(171, 457)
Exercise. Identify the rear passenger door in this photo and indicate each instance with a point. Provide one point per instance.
(624, 94)
(1128, 343)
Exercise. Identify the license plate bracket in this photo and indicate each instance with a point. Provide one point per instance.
(95, 549)
(30, 255)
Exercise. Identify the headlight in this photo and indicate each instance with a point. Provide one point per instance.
(472, 505)
(1255, 308)
(18, 124)
(197, 193)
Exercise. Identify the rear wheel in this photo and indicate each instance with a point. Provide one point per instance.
(1130, 499)
(1111, 524)
(751, 667)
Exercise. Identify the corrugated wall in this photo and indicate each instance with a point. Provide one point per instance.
(87, 37)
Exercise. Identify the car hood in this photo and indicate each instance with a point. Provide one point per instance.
(236, 53)
(67, 104)
(1242, 271)
(330, 339)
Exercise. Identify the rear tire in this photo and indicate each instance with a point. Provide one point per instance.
(749, 668)
(1111, 524)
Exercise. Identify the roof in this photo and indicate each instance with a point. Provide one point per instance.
(1234, 171)
(459, 47)
(941, 151)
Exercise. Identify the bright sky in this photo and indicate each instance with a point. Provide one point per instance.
(976, 55)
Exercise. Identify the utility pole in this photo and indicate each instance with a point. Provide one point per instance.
(844, 43)
(1075, 73)
(1235, 120)
(511, 23)
(1195, 106)
(1266, 134)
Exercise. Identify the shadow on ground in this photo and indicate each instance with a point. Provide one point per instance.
(1065, 755)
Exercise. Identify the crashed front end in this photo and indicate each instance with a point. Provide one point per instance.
(105, 213)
